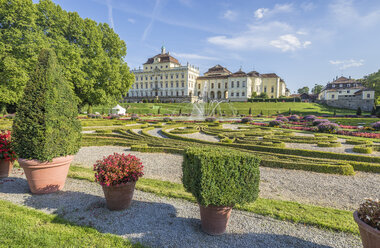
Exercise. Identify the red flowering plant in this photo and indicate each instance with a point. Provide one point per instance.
(118, 169)
(6, 150)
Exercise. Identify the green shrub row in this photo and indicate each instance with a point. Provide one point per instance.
(221, 177)
(329, 144)
(363, 149)
(149, 149)
(358, 142)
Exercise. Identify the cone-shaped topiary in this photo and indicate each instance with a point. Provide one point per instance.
(46, 124)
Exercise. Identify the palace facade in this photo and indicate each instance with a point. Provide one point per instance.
(164, 78)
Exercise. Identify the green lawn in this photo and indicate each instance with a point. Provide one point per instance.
(322, 217)
(25, 227)
(270, 108)
(354, 121)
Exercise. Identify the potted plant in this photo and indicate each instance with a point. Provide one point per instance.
(7, 154)
(46, 131)
(368, 219)
(219, 179)
(118, 174)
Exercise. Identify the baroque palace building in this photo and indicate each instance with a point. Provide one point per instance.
(164, 78)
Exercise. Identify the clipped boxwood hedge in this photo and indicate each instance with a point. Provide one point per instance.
(329, 144)
(362, 149)
(221, 177)
(46, 124)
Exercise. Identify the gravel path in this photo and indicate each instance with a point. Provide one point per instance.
(163, 222)
(345, 148)
(200, 136)
(157, 132)
(161, 166)
(344, 192)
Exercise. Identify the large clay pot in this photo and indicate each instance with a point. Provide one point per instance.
(214, 219)
(370, 236)
(46, 177)
(6, 167)
(119, 197)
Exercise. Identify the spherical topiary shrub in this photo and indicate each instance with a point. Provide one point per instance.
(134, 117)
(310, 118)
(246, 119)
(46, 124)
(376, 125)
(328, 127)
(294, 118)
(221, 177)
(319, 121)
(275, 123)
(167, 119)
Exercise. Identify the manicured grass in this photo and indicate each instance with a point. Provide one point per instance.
(354, 121)
(322, 217)
(268, 108)
(25, 227)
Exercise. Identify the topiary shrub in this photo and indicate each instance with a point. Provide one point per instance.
(294, 118)
(319, 121)
(275, 123)
(210, 119)
(362, 149)
(134, 117)
(167, 119)
(46, 124)
(310, 118)
(246, 119)
(328, 127)
(221, 177)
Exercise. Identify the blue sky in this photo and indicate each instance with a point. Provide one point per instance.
(304, 42)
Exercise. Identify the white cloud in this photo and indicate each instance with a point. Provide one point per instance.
(344, 64)
(289, 42)
(193, 56)
(278, 8)
(230, 15)
(110, 15)
(152, 20)
(131, 20)
(345, 13)
(259, 13)
(262, 36)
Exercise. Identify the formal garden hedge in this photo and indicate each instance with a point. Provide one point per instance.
(221, 177)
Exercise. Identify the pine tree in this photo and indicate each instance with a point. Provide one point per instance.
(359, 111)
(159, 111)
(373, 112)
(250, 111)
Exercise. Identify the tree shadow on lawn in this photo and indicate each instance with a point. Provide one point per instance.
(150, 223)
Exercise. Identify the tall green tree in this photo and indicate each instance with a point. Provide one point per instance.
(303, 90)
(92, 54)
(373, 81)
(317, 89)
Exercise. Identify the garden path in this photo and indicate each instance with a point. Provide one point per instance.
(165, 222)
(344, 192)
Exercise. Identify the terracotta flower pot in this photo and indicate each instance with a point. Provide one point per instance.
(119, 197)
(6, 167)
(370, 236)
(46, 177)
(214, 219)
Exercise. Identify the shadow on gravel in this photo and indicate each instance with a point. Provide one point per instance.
(152, 223)
(14, 185)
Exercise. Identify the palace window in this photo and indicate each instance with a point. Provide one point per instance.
(237, 84)
(243, 94)
(137, 86)
(146, 78)
(232, 84)
(171, 84)
(166, 66)
(166, 85)
(142, 86)
(218, 85)
(177, 93)
(171, 76)
(232, 94)
(151, 85)
(141, 78)
(368, 95)
(151, 78)
(146, 85)
(137, 78)
(332, 96)
(212, 86)
(237, 93)
(183, 93)
(176, 75)
(348, 91)
(199, 86)
(226, 85)
(243, 83)
(183, 84)
(183, 76)
(265, 89)
(166, 76)
(176, 84)
(272, 89)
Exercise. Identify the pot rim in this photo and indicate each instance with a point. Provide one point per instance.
(34, 163)
(213, 206)
(119, 185)
(365, 225)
